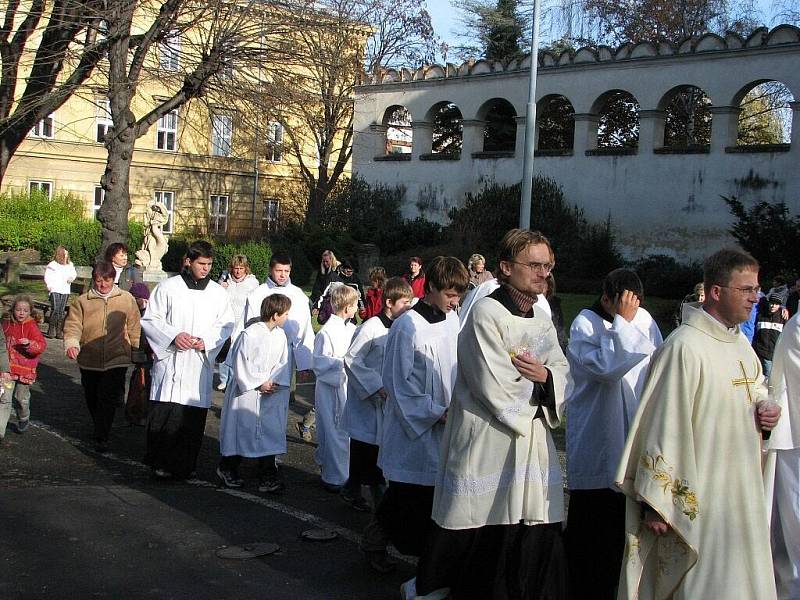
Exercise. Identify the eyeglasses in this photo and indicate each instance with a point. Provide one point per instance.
(542, 268)
(747, 291)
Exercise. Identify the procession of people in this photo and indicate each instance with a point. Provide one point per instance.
(682, 461)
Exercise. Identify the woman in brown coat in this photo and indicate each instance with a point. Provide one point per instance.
(102, 327)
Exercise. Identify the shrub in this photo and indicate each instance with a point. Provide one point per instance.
(258, 254)
(770, 234)
(664, 277)
(584, 250)
(83, 239)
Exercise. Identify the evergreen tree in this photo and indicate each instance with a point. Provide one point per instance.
(503, 32)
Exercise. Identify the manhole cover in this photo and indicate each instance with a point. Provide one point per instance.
(319, 535)
(248, 550)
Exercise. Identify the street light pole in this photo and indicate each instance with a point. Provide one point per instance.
(530, 126)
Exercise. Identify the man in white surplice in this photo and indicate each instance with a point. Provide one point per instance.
(783, 463)
(696, 520)
(188, 319)
(609, 351)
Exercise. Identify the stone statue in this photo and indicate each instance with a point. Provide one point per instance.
(155, 243)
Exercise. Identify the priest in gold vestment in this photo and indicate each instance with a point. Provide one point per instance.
(696, 523)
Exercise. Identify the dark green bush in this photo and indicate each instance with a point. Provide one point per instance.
(664, 277)
(770, 233)
(584, 251)
(258, 254)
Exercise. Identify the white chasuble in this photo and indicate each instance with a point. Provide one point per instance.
(782, 472)
(298, 328)
(500, 465)
(185, 376)
(330, 395)
(419, 370)
(363, 413)
(694, 456)
(254, 424)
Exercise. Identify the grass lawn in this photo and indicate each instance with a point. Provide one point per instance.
(34, 288)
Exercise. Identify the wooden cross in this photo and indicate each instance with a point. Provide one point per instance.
(745, 381)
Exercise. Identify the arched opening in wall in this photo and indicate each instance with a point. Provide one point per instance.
(688, 118)
(766, 115)
(555, 122)
(447, 136)
(618, 120)
(500, 130)
(399, 137)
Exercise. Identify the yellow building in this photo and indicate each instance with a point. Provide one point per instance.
(199, 160)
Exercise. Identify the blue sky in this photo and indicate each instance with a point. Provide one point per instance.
(445, 17)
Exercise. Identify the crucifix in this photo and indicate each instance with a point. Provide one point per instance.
(745, 381)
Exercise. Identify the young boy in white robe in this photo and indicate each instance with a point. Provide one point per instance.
(257, 402)
(363, 412)
(330, 392)
(419, 370)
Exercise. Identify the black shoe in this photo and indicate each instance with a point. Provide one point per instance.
(356, 501)
(22, 425)
(271, 485)
(229, 479)
(102, 447)
(380, 562)
(331, 488)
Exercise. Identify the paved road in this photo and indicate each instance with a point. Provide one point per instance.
(79, 525)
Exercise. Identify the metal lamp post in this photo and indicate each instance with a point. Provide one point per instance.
(530, 126)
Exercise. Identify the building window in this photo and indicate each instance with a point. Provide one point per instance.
(168, 200)
(44, 128)
(221, 134)
(103, 119)
(170, 52)
(218, 214)
(99, 198)
(167, 133)
(41, 187)
(269, 215)
(275, 142)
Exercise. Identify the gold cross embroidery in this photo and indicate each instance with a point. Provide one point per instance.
(745, 381)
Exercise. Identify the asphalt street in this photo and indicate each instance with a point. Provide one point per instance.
(76, 524)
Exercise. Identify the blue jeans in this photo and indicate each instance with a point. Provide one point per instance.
(766, 366)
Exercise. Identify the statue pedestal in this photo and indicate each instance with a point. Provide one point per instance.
(155, 275)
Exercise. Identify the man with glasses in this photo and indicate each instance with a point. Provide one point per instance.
(696, 515)
(499, 499)
(609, 350)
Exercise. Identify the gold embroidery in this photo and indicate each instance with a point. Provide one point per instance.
(745, 381)
(682, 496)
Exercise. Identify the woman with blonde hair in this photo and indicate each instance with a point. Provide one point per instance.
(58, 276)
(478, 273)
(328, 271)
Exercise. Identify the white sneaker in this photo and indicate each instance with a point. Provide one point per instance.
(221, 387)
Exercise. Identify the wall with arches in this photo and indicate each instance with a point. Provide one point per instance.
(662, 189)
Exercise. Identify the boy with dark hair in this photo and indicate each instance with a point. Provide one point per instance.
(609, 351)
(298, 328)
(419, 370)
(769, 326)
(256, 405)
(188, 319)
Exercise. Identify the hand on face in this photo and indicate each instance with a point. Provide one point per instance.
(626, 305)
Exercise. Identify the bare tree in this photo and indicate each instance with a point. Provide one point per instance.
(62, 41)
(311, 91)
(186, 47)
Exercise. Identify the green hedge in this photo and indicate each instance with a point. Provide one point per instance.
(83, 240)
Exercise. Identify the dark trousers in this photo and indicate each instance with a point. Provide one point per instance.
(405, 516)
(364, 469)
(595, 540)
(104, 391)
(174, 437)
(267, 468)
